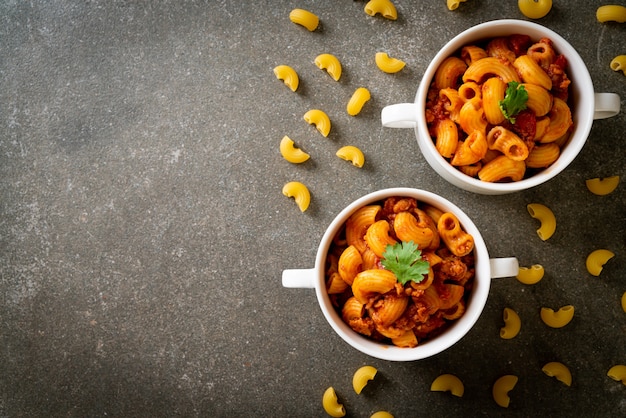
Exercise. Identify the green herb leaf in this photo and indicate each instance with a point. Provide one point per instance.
(405, 261)
(514, 100)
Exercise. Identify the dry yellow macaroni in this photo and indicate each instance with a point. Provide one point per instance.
(304, 18)
(387, 64)
(559, 371)
(352, 154)
(448, 383)
(330, 63)
(512, 324)
(545, 216)
(361, 377)
(382, 7)
(501, 389)
(530, 275)
(299, 192)
(291, 153)
(602, 186)
(596, 260)
(319, 119)
(381, 414)
(618, 373)
(288, 75)
(534, 9)
(358, 99)
(619, 63)
(559, 318)
(454, 4)
(331, 404)
(624, 301)
(611, 13)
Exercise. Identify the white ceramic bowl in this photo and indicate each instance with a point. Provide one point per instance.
(486, 269)
(587, 106)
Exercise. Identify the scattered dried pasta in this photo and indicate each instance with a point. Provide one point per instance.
(288, 75)
(559, 318)
(545, 216)
(387, 64)
(611, 13)
(501, 389)
(448, 383)
(383, 7)
(304, 18)
(603, 186)
(320, 120)
(352, 154)
(331, 404)
(534, 9)
(624, 301)
(559, 371)
(381, 414)
(291, 153)
(454, 4)
(619, 63)
(362, 376)
(358, 99)
(330, 63)
(530, 275)
(596, 260)
(618, 373)
(299, 192)
(512, 324)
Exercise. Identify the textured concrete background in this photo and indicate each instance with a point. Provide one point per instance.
(143, 231)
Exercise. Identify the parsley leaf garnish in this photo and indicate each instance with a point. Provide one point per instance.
(405, 261)
(514, 101)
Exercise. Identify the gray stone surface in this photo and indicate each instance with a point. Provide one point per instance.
(143, 231)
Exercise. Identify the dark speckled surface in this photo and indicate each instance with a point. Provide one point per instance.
(143, 231)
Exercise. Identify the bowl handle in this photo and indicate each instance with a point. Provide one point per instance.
(504, 267)
(607, 105)
(299, 278)
(401, 115)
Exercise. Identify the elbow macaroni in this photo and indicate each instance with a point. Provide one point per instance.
(534, 9)
(362, 376)
(602, 186)
(291, 153)
(596, 260)
(320, 120)
(501, 389)
(448, 383)
(512, 324)
(611, 13)
(352, 154)
(559, 318)
(387, 64)
(454, 4)
(546, 218)
(304, 18)
(383, 7)
(357, 101)
(299, 192)
(331, 404)
(530, 275)
(624, 301)
(381, 414)
(619, 63)
(288, 75)
(330, 63)
(618, 373)
(559, 371)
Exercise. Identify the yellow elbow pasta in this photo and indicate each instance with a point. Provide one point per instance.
(459, 242)
(330, 63)
(320, 119)
(559, 318)
(446, 137)
(534, 9)
(357, 101)
(530, 275)
(493, 91)
(350, 262)
(387, 64)
(624, 301)
(383, 7)
(299, 192)
(543, 155)
(611, 13)
(618, 373)
(454, 4)
(539, 100)
(357, 226)
(545, 216)
(352, 154)
(448, 73)
(559, 371)
(502, 167)
(596, 261)
(602, 186)
(331, 404)
(531, 72)
(290, 153)
(512, 324)
(288, 75)
(368, 283)
(362, 376)
(501, 389)
(508, 143)
(377, 237)
(479, 70)
(381, 414)
(448, 383)
(619, 63)
(304, 18)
